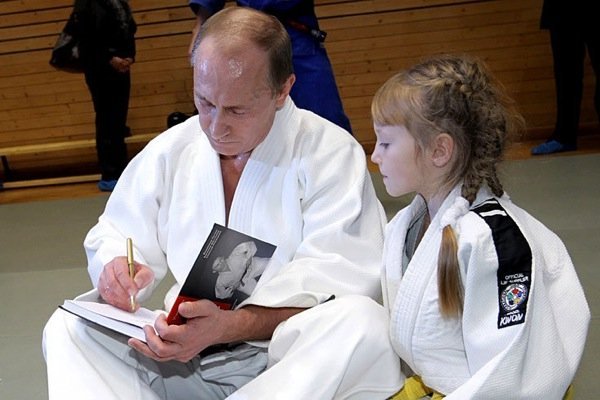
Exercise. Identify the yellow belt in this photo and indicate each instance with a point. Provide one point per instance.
(569, 393)
(414, 389)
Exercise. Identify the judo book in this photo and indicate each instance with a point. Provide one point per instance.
(226, 270)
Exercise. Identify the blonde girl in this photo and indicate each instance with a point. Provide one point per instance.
(483, 299)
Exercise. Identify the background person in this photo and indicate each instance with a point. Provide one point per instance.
(251, 160)
(107, 51)
(474, 285)
(315, 88)
(573, 27)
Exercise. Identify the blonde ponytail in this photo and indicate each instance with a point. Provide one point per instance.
(450, 288)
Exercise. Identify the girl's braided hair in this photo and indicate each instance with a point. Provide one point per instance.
(456, 95)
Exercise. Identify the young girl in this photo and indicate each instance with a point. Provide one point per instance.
(484, 301)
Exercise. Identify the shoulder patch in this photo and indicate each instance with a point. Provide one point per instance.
(514, 263)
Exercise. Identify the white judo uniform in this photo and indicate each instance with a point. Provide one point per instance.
(305, 189)
(525, 319)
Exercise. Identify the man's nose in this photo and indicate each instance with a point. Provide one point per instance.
(218, 125)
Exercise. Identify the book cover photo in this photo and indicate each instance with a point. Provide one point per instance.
(226, 270)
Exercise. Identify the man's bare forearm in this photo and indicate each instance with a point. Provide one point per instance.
(255, 323)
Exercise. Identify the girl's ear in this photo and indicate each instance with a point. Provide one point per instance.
(443, 148)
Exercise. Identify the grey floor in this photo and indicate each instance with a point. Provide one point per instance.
(42, 261)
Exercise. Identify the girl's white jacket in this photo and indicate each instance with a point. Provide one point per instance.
(525, 317)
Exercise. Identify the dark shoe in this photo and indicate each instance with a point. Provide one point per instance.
(107, 186)
(550, 147)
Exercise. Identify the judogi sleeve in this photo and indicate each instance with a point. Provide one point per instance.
(525, 316)
(133, 210)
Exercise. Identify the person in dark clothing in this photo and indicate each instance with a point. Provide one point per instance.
(107, 52)
(573, 27)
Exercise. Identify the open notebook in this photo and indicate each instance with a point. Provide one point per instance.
(127, 323)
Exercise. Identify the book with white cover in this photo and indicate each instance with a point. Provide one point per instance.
(127, 323)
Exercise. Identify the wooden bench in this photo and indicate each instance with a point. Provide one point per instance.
(6, 152)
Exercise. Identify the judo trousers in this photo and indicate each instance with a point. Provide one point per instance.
(337, 350)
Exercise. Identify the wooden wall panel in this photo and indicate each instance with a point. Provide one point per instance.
(368, 41)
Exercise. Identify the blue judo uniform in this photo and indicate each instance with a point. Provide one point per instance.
(315, 88)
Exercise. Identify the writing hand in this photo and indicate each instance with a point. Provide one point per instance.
(116, 286)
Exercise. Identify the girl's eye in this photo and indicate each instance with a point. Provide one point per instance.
(384, 145)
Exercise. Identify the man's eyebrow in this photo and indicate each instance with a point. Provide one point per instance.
(201, 97)
(229, 108)
(238, 106)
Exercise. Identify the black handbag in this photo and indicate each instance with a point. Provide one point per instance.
(66, 52)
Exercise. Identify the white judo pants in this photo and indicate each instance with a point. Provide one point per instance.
(337, 350)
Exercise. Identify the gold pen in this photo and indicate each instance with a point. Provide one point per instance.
(131, 269)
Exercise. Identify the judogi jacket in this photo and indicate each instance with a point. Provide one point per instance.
(305, 189)
(525, 318)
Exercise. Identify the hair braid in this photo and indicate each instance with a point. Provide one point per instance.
(455, 95)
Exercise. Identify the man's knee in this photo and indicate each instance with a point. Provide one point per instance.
(55, 327)
(360, 312)
(349, 320)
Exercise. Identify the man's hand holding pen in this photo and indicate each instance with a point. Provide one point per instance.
(116, 286)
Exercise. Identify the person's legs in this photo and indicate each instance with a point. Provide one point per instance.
(110, 94)
(592, 40)
(568, 53)
(85, 361)
(337, 350)
(82, 367)
(214, 377)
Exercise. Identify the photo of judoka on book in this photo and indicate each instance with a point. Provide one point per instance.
(226, 270)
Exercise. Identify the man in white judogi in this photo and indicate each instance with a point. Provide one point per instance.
(253, 161)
